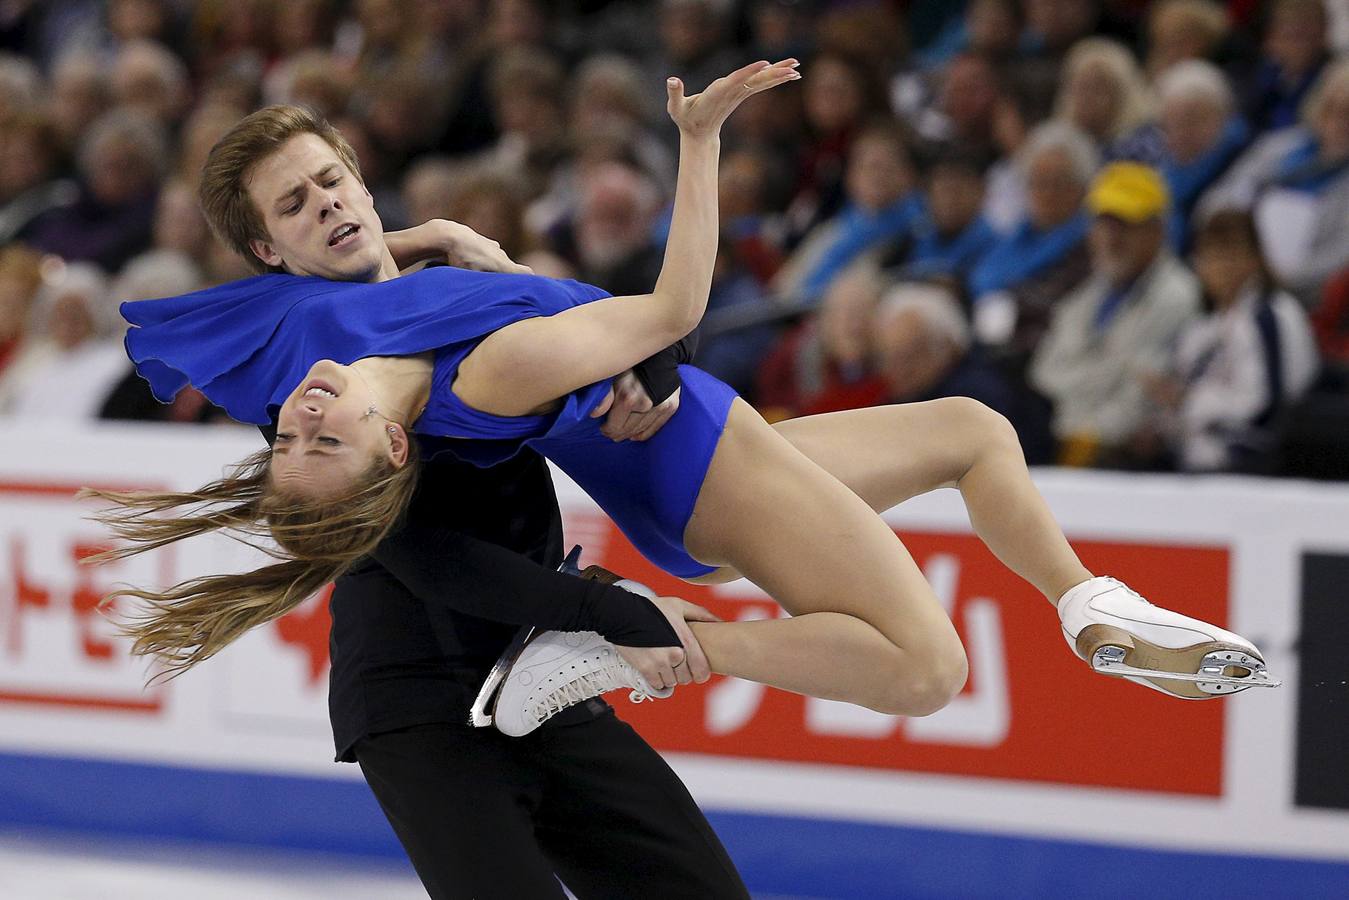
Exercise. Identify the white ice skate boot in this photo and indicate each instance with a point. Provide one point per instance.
(1120, 633)
(547, 671)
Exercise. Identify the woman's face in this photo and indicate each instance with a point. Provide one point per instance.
(1054, 193)
(1191, 125)
(326, 436)
(1094, 99)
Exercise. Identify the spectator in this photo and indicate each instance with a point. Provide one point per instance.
(526, 90)
(1005, 184)
(1104, 94)
(1331, 323)
(147, 78)
(79, 94)
(20, 85)
(1239, 368)
(1183, 30)
(950, 235)
(1052, 28)
(752, 233)
(882, 204)
(429, 188)
(313, 78)
(1024, 274)
(29, 186)
(840, 96)
(204, 126)
(1296, 49)
(179, 223)
(1296, 181)
(825, 364)
(159, 273)
(1120, 325)
(609, 97)
(1202, 135)
(735, 354)
(609, 243)
(20, 278)
(780, 29)
(71, 358)
(989, 28)
(491, 206)
(924, 350)
(121, 161)
(694, 47)
(962, 114)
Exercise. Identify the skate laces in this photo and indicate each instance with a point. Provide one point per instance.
(582, 688)
(1128, 590)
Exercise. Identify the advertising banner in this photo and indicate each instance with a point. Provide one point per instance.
(1036, 746)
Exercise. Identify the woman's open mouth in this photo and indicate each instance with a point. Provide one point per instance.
(318, 388)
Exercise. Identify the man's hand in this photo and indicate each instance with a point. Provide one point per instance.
(667, 666)
(631, 416)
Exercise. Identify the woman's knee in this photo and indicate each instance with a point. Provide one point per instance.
(979, 427)
(928, 679)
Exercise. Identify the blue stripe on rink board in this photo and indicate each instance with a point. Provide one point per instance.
(825, 858)
(777, 855)
(230, 807)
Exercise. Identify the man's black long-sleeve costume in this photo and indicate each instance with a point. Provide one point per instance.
(415, 629)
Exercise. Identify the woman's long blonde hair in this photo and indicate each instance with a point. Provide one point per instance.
(315, 541)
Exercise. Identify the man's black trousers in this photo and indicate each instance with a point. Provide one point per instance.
(487, 816)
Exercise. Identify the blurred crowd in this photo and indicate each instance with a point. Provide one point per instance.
(1123, 224)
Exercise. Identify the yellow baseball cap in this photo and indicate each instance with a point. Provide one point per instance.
(1130, 191)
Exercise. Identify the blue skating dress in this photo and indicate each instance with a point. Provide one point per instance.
(247, 344)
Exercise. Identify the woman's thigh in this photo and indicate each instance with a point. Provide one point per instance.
(887, 454)
(770, 512)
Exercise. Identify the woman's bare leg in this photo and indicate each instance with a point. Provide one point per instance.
(865, 626)
(887, 454)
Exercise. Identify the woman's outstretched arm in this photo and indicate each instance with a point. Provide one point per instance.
(529, 363)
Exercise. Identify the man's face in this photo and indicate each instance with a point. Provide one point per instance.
(910, 357)
(1121, 250)
(319, 217)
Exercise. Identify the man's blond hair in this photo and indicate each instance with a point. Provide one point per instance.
(224, 179)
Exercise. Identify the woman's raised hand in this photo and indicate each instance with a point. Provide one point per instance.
(702, 114)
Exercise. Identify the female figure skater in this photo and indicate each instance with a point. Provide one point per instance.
(351, 360)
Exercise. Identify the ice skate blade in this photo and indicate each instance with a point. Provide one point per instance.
(1200, 671)
(1210, 679)
(479, 716)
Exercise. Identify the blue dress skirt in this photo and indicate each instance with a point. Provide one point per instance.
(247, 344)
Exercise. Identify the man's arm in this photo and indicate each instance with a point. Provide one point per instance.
(482, 579)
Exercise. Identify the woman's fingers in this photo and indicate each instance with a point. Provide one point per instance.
(707, 110)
